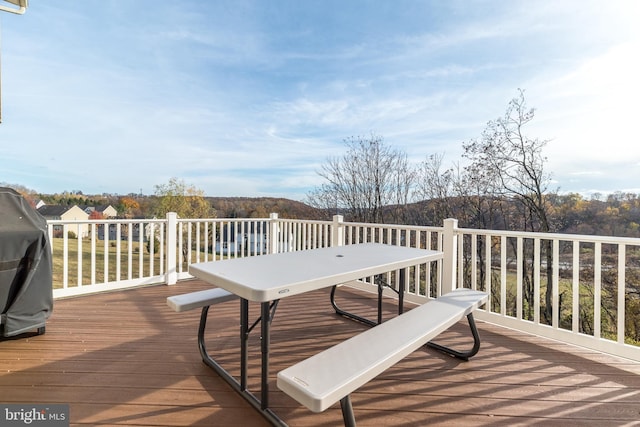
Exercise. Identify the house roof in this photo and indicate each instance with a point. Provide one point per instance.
(98, 208)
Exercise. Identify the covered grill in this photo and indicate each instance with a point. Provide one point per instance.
(26, 284)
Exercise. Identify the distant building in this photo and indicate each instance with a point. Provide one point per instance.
(66, 213)
(107, 211)
(248, 238)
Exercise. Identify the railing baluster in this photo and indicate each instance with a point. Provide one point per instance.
(180, 246)
(152, 249)
(227, 240)
(575, 288)
(189, 242)
(79, 258)
(105, 227)
(141, 232)
(215, 238)
(93, 253)
(197, 242)
(597, 290)
(118, 253)
(162, 240)
(418, 268)
(304, 237)
(65, 255)
(536, 281)
(519, 278)
(460, 256)
(130, 251)
(205, 241)
(503, 275)
(621, 312)
(555, 283)
(473, 259)
(488, 274)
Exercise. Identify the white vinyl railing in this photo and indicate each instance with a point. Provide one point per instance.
(573, 288)
(98, 255)
(590, 279)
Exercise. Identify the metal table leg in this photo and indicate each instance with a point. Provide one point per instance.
(265, 339)
(261, 404)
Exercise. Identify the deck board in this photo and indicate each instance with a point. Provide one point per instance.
(125, 358)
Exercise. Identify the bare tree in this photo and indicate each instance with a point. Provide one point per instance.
(504, 154)
(436, 189)
(368, 178)
(455, 192)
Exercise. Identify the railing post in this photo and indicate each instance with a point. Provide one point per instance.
(337, 231)
(273, 233)
(172, 247)
(450, 249)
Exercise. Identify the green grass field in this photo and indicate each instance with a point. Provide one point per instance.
(99, 264)
(140, 261)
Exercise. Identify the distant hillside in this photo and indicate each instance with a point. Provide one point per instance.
(261, 207)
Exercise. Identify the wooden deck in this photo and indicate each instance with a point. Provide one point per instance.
(125, 358)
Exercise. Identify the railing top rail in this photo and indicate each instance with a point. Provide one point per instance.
(380, 225)
(304, 221)
(553, 236)
(104, 221)
(223, 219)
(634, 241)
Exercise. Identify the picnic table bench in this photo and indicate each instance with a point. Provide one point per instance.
(332, 375)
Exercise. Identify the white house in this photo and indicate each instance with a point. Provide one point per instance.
(66, 213)
(250, 239)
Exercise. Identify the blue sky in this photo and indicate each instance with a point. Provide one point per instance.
(250, 98)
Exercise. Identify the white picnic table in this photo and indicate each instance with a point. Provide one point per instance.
(266, 279)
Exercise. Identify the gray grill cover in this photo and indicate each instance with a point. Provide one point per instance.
(26, 284)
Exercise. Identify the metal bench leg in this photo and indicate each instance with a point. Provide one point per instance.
(347, 412)
(346, 313)
(465, 355)
(381, 285)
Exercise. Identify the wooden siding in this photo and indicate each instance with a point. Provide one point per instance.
(125, 358)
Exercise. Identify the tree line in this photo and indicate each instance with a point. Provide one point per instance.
(176, 196)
